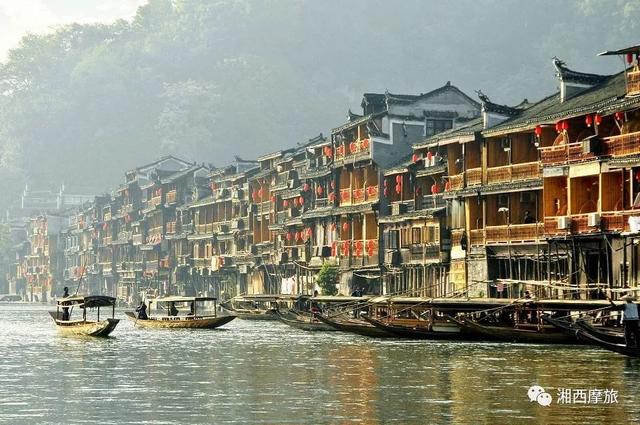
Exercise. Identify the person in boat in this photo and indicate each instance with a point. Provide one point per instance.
(142, 311)
(630, 320)
(65, 310)
(173, 311)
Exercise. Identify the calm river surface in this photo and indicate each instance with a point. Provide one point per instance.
(266, 372)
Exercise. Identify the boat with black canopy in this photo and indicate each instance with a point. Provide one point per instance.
(85, 326)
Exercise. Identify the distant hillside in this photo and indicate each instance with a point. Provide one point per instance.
(207, 80)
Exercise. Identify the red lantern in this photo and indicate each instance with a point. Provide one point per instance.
(597, 119)
(260, 193)
(434, 188)
(538, 130)
(254, 195)
(319, 190)
(301, 201)
(334, 249)
(345, 247)
(588, 120)
(359, 245)
(619, 116)
(565, 125)
(559, 126)
(345, 226)
(285, 203)
(415, 158)
(309, 232)
(306, 187)
(273, 199)
(386, 192)
(365, 143)
(629, 58)
(370, 251)
(398, 178)
(353, 147)
(398, 189)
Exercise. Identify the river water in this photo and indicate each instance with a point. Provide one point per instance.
(266, 372)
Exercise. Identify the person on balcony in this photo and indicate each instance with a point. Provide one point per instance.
(528, 218)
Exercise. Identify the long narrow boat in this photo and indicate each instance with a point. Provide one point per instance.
(541, 334)
(356, 326)
(305, 323)
(618, 348)
(84, 326)
(441, 331)
(193, 320)
(251, 314)
(573, 327)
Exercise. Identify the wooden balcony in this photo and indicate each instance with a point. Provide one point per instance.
(514, 233)
(155, 201)
(456, 237)
(171, 227)
(474, 176)
(511, 173)
(622, 145)
(365, 248)
(372, 193)
(456, 181)
(431, 201)
(575, 153)
(172, 196)
(358, 196)
(204, 228)
(424, 252)
(579, 224)
(554, 155)
(633, 82)
(551, 227)
(476, 237)
(345, 196)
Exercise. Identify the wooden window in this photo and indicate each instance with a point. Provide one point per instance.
(416, 235)
(391, 239)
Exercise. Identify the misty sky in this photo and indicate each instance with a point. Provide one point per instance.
(18, 17)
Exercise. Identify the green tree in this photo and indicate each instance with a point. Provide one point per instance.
(328, 279)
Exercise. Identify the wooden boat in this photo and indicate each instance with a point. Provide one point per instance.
(573, 327)
(251, 314)
(618, 348)
(356, 326)
(84, 326)
(191, 321)
(263, 308)
(306, 323)
(524, 333)
(441, 331)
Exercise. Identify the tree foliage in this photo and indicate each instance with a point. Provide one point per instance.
(328, 279)
(193, 78)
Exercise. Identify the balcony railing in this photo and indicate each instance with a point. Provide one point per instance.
(552, 155)
(358, 196)
(633, 82)
(576, 153)
(171, 227)
(422, 252)
(456, 181)
(474, 176)
(204, 228)
(372, 193)
(515, 233)
(515, 172)
(624, 144)
(432, 201)
(172, 195)
(345, 196)
(153, 202)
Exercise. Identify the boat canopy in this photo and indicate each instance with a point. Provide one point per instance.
(178, 299)
(90, 301)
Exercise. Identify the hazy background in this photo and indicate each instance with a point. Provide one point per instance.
(205, 80)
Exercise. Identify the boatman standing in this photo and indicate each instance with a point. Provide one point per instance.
(65, 310)
(142, 311)
(630, 319)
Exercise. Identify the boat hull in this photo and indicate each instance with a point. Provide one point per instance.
(252, 315)
(507, 334)
(357, 327)
(414, 332)
(180, 322)
(101, 328)
(617, 348)
(574, 328)
(306, 324)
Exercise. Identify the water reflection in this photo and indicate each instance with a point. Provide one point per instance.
(269, 373)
